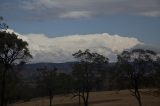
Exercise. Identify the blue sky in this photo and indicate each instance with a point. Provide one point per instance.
(139, 19)
(146, 29)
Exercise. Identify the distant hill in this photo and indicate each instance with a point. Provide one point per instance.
(66, 67)
(28, 70)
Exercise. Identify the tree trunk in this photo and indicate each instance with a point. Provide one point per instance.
(79, 97)
(139, 101)
(3, 87)
(86, 103)
(139, 98)
(50, 100)
(87, 98)
(137, 93)
(84, 100)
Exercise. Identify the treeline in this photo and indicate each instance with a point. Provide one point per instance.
(133, 70)
(91, 72)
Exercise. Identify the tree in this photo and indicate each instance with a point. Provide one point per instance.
(157, 73)
(134, 66)
(47, 81)
(64, 83)
(13, 51)
(85, 72)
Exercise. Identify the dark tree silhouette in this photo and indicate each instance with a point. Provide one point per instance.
(85, 72)
(157, 73)
(13, 50)
(64, 83)
(48, 81)
(133, 66)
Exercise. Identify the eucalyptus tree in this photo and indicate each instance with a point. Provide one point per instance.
(13, 50)
(134, 66)
(86, 71)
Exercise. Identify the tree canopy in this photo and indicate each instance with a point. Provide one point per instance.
(134, 66)
(13, 49)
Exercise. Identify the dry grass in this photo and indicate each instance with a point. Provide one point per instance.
(105, 98)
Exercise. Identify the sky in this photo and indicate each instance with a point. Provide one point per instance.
(46, 24)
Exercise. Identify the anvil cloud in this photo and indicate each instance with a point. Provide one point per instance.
(60, 49)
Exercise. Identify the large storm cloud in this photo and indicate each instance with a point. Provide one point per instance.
(60, 49)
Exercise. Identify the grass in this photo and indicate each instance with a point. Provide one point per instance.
(104, 98)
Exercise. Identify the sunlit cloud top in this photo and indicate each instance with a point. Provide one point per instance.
(60, 49)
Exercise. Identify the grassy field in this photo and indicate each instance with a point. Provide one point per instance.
(105, 98)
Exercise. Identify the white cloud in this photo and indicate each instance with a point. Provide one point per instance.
(76, 14)
(60, 49)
